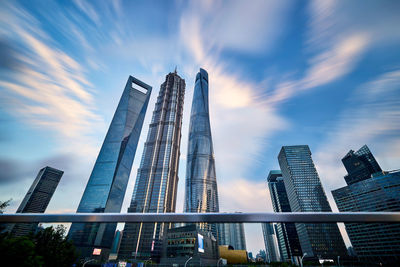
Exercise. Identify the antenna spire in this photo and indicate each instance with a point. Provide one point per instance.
(175, 69)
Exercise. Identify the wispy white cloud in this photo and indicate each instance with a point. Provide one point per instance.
(235, 25)
(325, 67)
(49, 85)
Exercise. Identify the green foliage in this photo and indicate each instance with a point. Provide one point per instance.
(55, 249)
(4, 205)
(46, 248)
(18, 251)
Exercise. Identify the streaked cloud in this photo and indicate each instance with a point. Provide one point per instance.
(372, 118)
(259, 28)
(49, 87)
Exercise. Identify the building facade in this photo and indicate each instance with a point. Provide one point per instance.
(157, 178)
(37, 199)
(286, 233)
(232, 234)
(271, 248)
(305, 194)
(183, 243)
(107, 184)
(360, 165)
(201, 193)
(373, 242)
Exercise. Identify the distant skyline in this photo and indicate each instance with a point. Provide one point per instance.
(321, 73)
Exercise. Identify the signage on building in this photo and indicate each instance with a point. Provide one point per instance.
(97, 251)
(200, 241)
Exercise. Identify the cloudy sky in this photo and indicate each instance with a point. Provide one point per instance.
(322, 73)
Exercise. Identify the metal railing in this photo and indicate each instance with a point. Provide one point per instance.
(246, 217)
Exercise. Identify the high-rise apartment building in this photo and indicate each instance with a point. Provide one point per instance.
(37, 199)
(286, 233)
(360, 165)
(305, 194)
(232, 234)
(201, 194)
(107, 184)
(271, 248)
(157, 178)
(373, 242)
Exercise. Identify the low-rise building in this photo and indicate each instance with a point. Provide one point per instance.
(233, 256)
(188, 242)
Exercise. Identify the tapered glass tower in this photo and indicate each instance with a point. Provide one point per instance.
(201, 193)
(157, 178)
(106, 187)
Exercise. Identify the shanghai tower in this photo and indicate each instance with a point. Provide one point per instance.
(156, 184)
(106, 187)
(201, 193)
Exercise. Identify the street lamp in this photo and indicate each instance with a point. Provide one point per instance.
(87, 262)
(301, 259)
(188, 260)
(149, 260)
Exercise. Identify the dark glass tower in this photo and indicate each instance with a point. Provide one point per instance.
(38, 197)
(305, 193)
(201, 194)
(106, 187)
(373, 242)
(288, 240)
(157, 179)
(360, 165)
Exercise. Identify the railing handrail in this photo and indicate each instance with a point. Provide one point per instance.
(245, 217)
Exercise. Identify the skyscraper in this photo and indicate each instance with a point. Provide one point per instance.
(157, 178)
(106, 187)
(373, 242)
(305, 194)
(201, 194)
(286, 233)
(360, 165)
(232, 234)
(270, 242)
(38, 197)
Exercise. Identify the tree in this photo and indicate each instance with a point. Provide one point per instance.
(18, 251)
(47, 248)
(54, 247)
(4, 205)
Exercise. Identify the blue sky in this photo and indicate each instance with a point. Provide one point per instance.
(322, 73)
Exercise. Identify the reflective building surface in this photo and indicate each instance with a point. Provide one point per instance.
(232, 234)
(286, 233)
(38, 197)
(360, 165)
(305, 193)
(201, 194)
(271, 248)
(373, 242)
(157, 179)
(106, 187)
